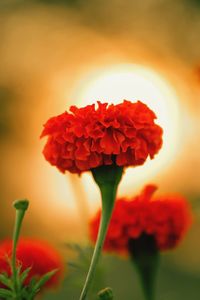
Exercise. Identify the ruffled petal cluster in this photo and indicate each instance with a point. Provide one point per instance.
(38, 255)
(165, 218)
(88, 137)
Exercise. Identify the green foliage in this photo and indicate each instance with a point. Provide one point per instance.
(36, 286)
(77, 270)
(21, 291)
(5, 280)
(173, 283)
(14, 285)
(5, 294)
(24, 275)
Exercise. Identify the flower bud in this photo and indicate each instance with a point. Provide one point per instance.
(21, 204)
(106, 294)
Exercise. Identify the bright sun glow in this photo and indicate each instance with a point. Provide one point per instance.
(134, 82)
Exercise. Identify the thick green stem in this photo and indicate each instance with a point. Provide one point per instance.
(107, 193)
(147, 279)
(107, 178)
(145, 255)
(20, 206)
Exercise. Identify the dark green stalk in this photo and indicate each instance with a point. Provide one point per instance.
(145, 256)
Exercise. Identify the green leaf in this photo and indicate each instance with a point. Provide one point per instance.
(37, 286)
(24, 275)
(44, 279)
(5, 293)
(28, 292)
(25, 294)
(19, 268)
(4, 279)
(32, 283)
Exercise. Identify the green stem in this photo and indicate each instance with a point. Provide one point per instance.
(147, 280)
(107, 206)
(107, 178)
(20, 206)
(145, 256)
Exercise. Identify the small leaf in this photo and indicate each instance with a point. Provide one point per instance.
(5, 293)
(24, 275)
(19, 268)
(6, 280)
(44, 279)
(32, 283)
(25, 294)
(28, 292)
(34, 288)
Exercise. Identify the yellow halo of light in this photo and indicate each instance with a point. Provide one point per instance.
(135, 82)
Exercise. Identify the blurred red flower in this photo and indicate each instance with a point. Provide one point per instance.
(165, 218)
(38, 255)
(87, 138)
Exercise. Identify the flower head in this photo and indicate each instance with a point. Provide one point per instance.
(86, 138)
(166, 218)
(38, 255)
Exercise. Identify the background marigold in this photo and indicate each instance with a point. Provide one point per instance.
(38, 255)
(87, 138)
(165, 218)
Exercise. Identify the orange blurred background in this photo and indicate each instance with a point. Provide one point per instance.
(55, 54)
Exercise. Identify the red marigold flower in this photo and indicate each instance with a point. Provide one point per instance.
(165, 218)
(86, 138)
(38, 255)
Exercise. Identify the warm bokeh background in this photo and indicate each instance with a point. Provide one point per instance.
(57, 53)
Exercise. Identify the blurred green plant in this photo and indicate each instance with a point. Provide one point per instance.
(174, 282)
(78, 268)
(106, 294)
(14, 288)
